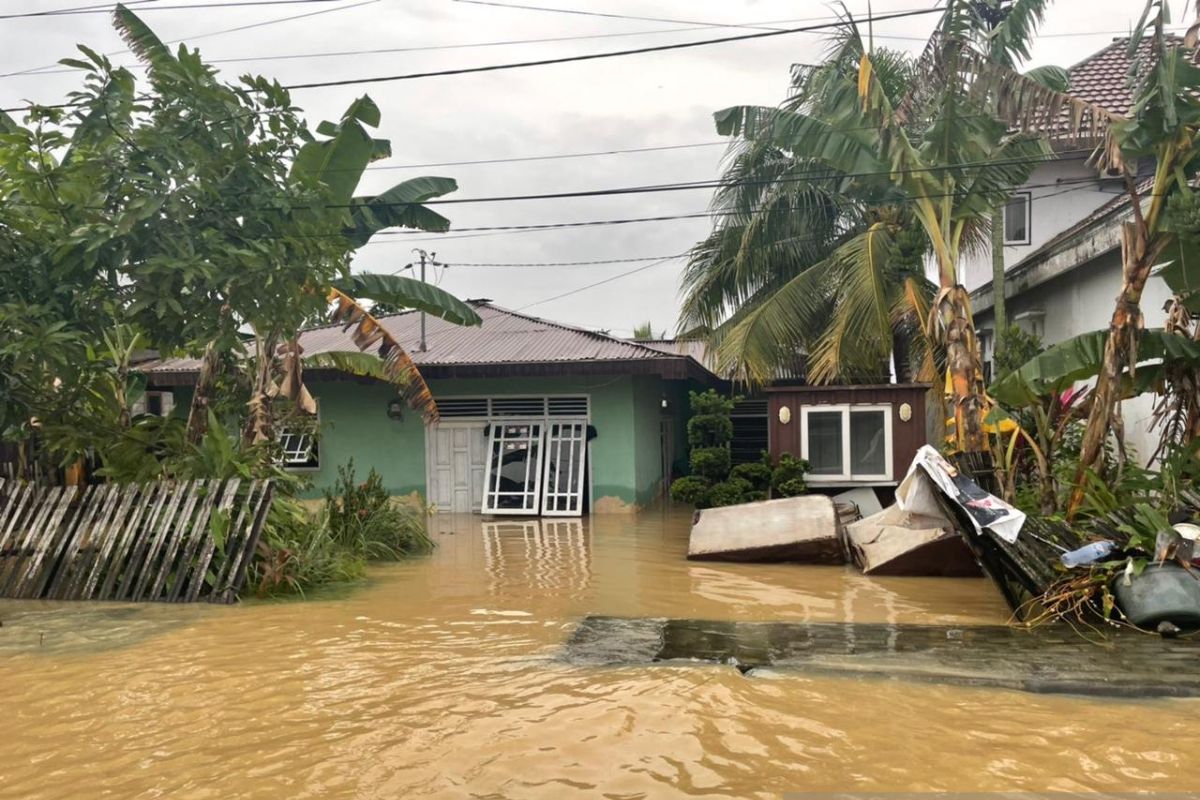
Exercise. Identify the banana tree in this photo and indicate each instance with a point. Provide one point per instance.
(1161, 126)
(327, 168)
(940, 151)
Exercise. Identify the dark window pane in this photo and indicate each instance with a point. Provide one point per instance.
(1016, 219)
(825, 442)
(868, 448)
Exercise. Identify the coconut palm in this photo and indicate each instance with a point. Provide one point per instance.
(940, 152)
(803, 258)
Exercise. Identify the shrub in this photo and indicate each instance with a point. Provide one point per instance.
(297, 553)
(792, 487)
(709, 430)
(729, 493)
(692, 490)
(758, 475)
(755, 496)
(363, 518)
(787, 480)
(709, 402)
(710, 462)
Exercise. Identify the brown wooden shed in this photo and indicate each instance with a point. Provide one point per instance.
(851, 435)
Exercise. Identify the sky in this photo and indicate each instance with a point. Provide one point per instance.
(651, 100)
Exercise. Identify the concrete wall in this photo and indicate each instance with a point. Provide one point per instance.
(1062, 194)
(1082, 300)
(625, 411)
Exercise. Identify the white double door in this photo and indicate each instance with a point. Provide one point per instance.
(510, 466)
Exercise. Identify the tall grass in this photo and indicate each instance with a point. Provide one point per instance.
(358, 522)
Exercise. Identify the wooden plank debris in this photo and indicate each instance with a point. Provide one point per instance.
(167, 541)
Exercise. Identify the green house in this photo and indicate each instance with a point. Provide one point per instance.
(536, 417)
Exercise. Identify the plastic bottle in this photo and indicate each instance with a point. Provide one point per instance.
(1088, 554)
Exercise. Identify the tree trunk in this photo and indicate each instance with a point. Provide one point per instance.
(999, 313)
(962, 361)
(197, 424)
(260, 421)
(1120, 351)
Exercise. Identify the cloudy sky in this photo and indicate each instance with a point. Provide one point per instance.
(653, 100)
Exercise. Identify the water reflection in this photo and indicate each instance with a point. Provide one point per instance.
(549, 554)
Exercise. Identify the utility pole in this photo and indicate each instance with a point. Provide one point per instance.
(431, 259)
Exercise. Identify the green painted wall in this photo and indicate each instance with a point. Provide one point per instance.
(626, 412)
(354, 424)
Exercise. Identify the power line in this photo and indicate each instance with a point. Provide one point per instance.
(251, 26)
(596, 262)
(610, 15)
(595, 56)
(108, 9)
(550, 157)
(616, 277)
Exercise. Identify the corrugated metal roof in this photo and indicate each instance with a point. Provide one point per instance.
(694, 348)
(505, 337)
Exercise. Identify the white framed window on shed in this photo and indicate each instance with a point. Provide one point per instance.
(847, 442)
(1018, 218)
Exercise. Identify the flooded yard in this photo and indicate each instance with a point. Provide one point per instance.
(443, 677)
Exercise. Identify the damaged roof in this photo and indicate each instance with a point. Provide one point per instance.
(507, 343)
(1103, 78)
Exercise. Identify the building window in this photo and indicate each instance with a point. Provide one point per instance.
(847, 443)
(1017, 218)
(299, 444)
(159, 404)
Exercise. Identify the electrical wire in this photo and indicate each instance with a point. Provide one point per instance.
(610, 279)
(196, 37)
(595, 262)
(108, 9)
(595, 56)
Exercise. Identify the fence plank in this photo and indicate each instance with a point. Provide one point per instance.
(150, 542)
(204, 554)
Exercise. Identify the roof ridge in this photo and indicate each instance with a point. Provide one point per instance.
(575, 329)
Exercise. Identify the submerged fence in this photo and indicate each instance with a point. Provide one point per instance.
(170, 541)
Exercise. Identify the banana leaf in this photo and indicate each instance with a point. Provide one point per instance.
(401, 292)
(1080, 358)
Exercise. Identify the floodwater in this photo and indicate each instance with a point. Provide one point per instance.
(443, 678)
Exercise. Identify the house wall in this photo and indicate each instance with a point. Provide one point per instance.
(625, 410)
(907, 437)
(1082, 300)
(1063, 193)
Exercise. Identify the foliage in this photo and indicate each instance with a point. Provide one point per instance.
(787, 479)
(710, 402)
(692, 490)
(709, 430)
(710, 462)
(297, 553)
(363, 518)
(1014, 348)
(757, 474)
(729, 492)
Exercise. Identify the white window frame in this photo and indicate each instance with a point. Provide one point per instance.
(1028, 197)
(846, 476)
(315, 436)
(531, 499)
(574, 467)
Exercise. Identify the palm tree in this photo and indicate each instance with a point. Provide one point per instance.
(940, 151)
(804, 258)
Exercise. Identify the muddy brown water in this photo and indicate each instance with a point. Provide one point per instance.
(442, 678)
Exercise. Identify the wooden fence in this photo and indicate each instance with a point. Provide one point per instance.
(171, 541)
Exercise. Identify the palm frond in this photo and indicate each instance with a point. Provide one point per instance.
(398, 366)
(141, 40)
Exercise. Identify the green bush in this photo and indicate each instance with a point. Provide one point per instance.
(297, 553)
(709, 430)
(710, 462)
(709, 402)
(692, 490)
(757, 473)
(363, 518)
(787, 480)
(729, 493)
(756, 496)
(792, 487)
